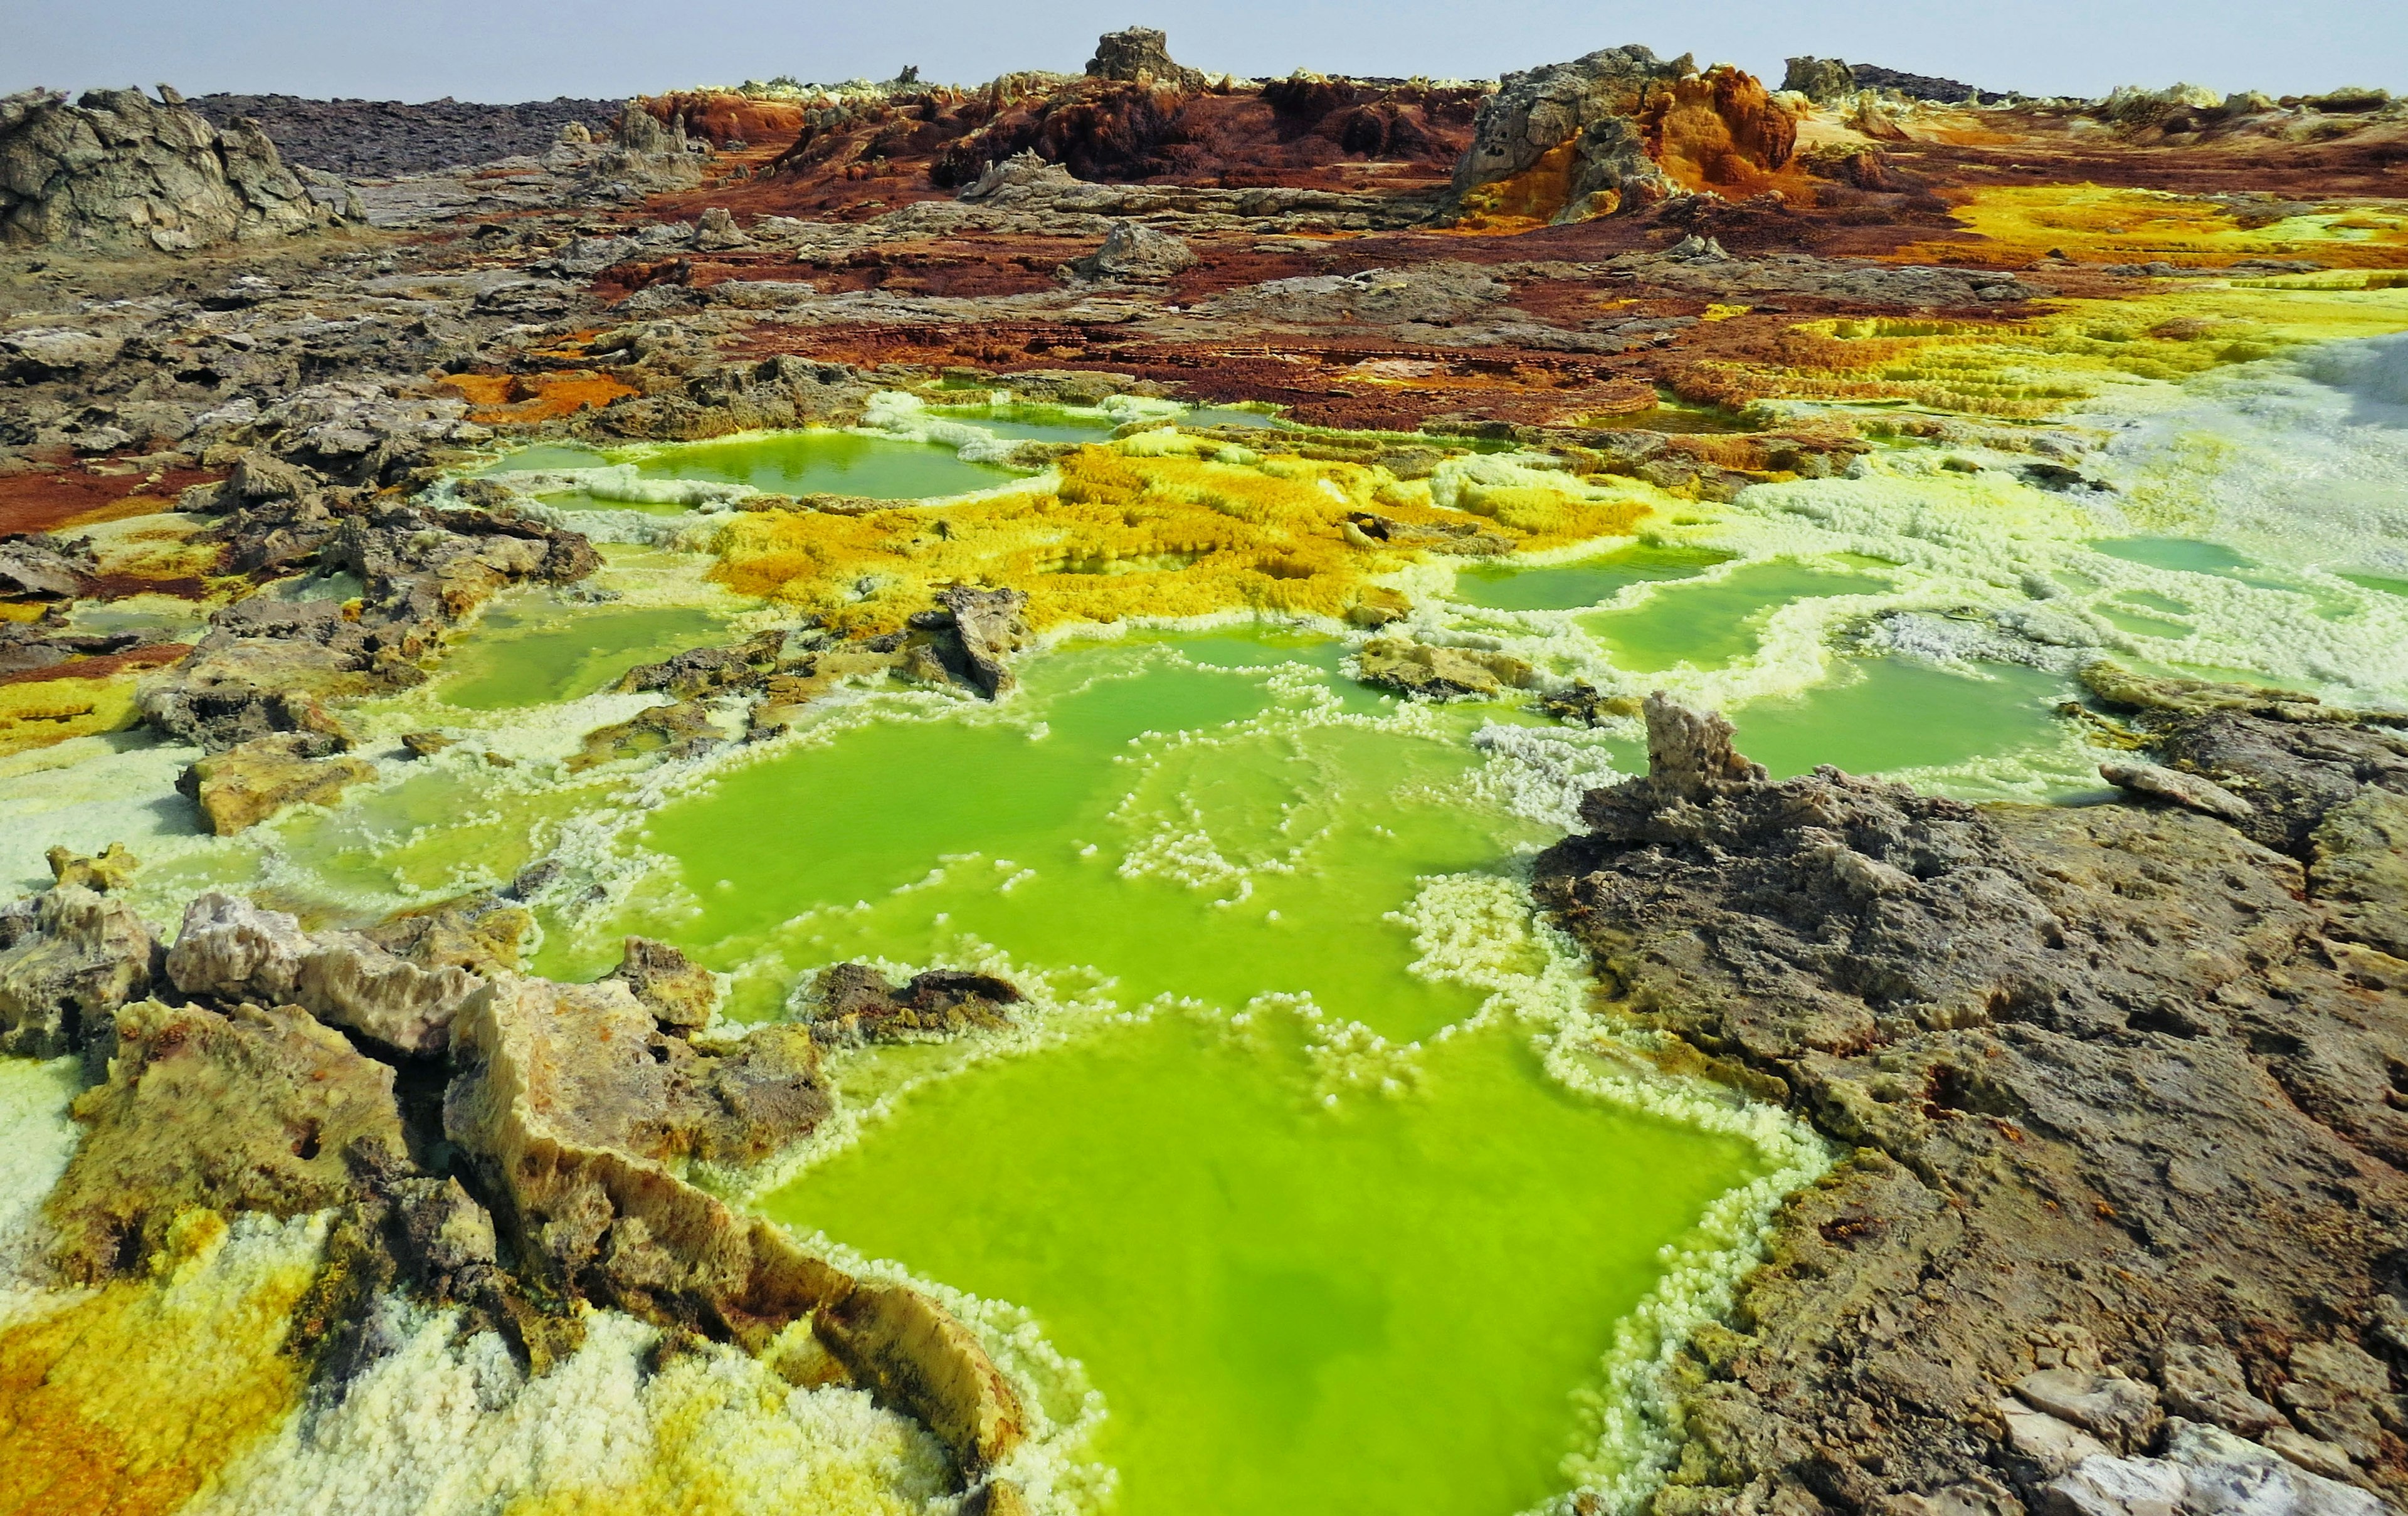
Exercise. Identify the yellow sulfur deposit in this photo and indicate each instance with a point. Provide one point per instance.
(129, 1399)
(2045, 365)
(1162, 525)
(2095, 223)
(38, 712)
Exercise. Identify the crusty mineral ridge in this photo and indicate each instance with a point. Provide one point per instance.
(2119, 1084)
(118, 170)
(574, 1105)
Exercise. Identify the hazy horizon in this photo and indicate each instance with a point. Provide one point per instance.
(500, 53)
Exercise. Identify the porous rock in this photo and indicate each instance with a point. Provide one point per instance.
(1437, 673)
(2041, 1036)
(253, 1110)
(69, 958)
(244, 785)
(681, 993)
(1134, 251)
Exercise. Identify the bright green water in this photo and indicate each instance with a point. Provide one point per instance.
(1376, 1309)
(1880, 715)
(535, 653)
(1031, 423)
(546, 455)
(1378, 1305)
(1707, 626)
(1572, 586)
(824, 463)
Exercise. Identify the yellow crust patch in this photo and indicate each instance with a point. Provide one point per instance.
(2095, 223)
(39, 712)
(1124, 535)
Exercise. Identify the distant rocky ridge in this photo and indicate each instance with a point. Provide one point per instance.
(383, 138)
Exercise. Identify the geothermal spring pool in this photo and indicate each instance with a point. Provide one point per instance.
(1313, 1177)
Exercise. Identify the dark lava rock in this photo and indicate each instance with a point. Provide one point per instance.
(2112, 1086)
(386, 138)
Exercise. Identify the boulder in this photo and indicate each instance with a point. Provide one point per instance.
(991, 629)
(117, 171)
(1439, 673)
(246, 784)
(112, 868)
(69, 958)
(253, 1111)
(1134, 251)
(1020, 178)
(229, 949)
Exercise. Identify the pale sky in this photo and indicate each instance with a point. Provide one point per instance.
(508, 49)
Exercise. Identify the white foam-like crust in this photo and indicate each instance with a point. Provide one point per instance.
(36, 1140)
(443, 1425)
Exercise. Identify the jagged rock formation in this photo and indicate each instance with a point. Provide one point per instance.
(1140, 55)
(1133, 116)
(856, 1004)
(1614, 130)
(119, 171)
(69, 958)
(2116, 1081)
(250, 694)
(1824, 81)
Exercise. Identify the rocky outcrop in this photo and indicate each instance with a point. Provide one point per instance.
(1436, 673)
(1140, 55)
(251, 1110)
(2115, 1083)
(398, 984)
(681, 994)
(237, 789)
(117, 171)
(1570, 125)
(69, 958)
(1618, 131)
(856, 1003)
(250, 694)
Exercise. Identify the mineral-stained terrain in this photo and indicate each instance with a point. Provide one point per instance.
(2119, 1222)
